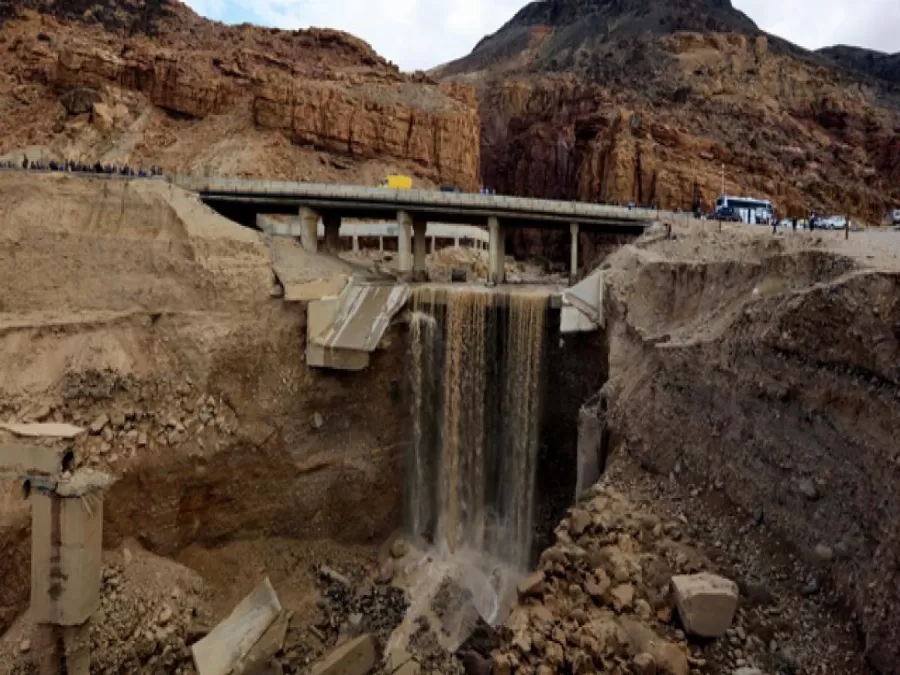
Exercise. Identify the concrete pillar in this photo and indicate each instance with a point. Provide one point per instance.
(456, 242)
(432, 249)
(309, 229)
(355, 243)
(332, 233)
(404, 243)
(573, 269)
(381, 244)
(497, 255)
(420, 245)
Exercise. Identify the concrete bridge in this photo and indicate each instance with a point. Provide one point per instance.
(244, 200)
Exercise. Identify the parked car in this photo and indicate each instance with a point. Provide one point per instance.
(450, 188)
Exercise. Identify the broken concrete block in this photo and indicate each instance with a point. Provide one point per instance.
(531, 585)
(230, 641)
(271, 642)
(356, 657)
(706, 603)
(67, 536)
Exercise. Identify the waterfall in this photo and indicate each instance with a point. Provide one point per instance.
(475, 377)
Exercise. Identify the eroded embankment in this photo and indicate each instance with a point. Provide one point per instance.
(132, 310)
(775, 379)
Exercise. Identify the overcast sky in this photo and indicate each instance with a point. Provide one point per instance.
(425, 33)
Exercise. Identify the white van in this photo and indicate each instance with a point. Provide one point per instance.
(895, 217)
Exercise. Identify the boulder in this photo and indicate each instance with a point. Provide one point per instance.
(706, 603)
(99, 423)
(644, 664)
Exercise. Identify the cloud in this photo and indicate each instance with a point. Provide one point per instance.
(821, 23)
(421, 34)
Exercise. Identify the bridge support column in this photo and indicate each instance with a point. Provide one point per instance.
(309, 229)
(573, 268)
(404, 243)
(497, 252)
(420, 248)
(332, 233)
(355, 243)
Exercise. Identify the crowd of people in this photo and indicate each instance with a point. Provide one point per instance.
(73, 166)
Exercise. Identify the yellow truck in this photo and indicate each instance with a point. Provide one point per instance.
(397, 183)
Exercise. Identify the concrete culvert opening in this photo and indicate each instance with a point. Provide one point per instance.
(26, 489)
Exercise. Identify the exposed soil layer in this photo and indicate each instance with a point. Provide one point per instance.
(766, 370)
(130, 308)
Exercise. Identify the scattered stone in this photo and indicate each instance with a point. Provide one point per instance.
(746, 670)
(99, 423)
(117, 419)
(824, 553)
(580, 521)
(399, 548)
(759, 515)
(706, 603)
(334, 576)
(530, 586)
(165, 615)
(644, 664)
(622, 597)
(808, 489)
(317, 421)
(25, 646)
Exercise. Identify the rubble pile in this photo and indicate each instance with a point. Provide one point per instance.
(622, 592)
(151, 610)
(126, 416)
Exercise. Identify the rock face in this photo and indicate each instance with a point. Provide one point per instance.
(706, 603)
(647, 101)
(197, 96)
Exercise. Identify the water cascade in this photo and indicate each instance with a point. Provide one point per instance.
(476, 382)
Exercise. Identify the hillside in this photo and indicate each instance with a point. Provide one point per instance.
(877, 64)
(647, 100)
(150, 82)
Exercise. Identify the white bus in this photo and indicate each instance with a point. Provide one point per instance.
(745, 210)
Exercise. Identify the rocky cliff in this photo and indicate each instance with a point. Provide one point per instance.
(648, 101)
(153, 83)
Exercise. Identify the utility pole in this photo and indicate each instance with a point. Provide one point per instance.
(723, 179)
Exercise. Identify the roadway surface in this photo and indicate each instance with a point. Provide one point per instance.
(243, 200)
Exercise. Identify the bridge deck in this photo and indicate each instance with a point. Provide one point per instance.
(350, 201)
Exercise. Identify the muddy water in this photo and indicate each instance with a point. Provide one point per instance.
(476, 379)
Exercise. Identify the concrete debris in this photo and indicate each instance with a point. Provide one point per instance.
(45, 430)
(230, 641)
(265, 649)
(706, 603)
(355, 657)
